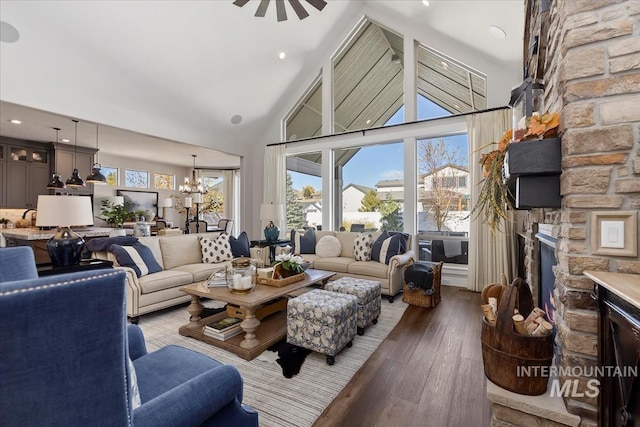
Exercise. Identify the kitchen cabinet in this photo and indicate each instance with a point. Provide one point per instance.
(25, 172)
(69, 157)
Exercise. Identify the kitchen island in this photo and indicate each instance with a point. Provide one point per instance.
(37, 239)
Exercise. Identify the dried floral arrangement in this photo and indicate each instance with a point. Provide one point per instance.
(494, 199)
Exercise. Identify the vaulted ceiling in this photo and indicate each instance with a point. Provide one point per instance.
(181, 70)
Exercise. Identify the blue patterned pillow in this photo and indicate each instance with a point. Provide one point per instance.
(387, 246)
(138, 257)
(240, 245)
(303, 243)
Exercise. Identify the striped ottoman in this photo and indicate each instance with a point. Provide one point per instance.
(368, 293)
(322, 321)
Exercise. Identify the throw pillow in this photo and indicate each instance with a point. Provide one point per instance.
(385, 247)
(138, 257)
(240, 245)
(328, 247)
(362, 247)
(136, 402)
(216, 250)
(303, 243)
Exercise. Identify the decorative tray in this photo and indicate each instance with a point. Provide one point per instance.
(279, 282)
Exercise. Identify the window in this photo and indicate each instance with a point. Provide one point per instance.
(136, 178)
(372, 196)
(306, 119)
(368, 88)
(446, 86)
(112, 175)
(164, 181)
(443, 199)
(304, 191)
(213, 207)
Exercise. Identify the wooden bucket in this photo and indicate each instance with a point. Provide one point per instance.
(507, 355)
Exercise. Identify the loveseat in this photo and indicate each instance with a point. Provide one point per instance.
(181, 263)
(388, 271)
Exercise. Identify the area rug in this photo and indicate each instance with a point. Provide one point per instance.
(280, 401)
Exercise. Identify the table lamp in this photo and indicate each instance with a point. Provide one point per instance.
(165, 203)
(271, 212)
(65, 247)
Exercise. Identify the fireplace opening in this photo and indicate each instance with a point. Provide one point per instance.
(546, 278)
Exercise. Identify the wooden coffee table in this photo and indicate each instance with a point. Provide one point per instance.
(258, 336)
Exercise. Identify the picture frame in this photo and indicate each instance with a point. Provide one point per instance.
(140, 200)
(614, 233)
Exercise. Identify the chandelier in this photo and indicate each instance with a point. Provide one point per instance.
(192, 185)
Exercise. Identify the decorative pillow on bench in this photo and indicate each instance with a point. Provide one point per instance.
(138, 257)
(216, 250)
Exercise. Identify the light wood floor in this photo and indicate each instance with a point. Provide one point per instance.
(428, 372)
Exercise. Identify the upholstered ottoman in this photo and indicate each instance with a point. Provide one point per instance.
(322, 321)
(368, 293)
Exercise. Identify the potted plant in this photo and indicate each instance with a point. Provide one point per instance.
(495, 197)
(115, 215)
(4, 222)
(288, 265)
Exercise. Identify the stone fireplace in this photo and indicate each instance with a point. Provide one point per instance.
(588, 54)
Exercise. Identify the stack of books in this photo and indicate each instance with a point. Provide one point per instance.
(223, 329)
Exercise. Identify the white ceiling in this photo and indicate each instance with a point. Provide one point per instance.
(179, 70)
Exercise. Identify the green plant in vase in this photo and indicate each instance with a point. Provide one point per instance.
(114, 214)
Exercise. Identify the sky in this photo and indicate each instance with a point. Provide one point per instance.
(388, 158)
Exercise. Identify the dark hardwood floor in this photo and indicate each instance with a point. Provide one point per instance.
(428, 372)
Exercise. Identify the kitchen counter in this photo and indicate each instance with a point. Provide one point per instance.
(625, 286)
(36, 234)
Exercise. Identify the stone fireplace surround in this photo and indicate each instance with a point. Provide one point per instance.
(588, 58)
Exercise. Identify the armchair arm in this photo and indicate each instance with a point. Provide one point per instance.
(193, 402)
(137, 346)
(402, 259)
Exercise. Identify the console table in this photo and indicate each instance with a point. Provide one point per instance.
(48, 269)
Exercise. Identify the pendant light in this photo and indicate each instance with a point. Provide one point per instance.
(55, 183)
(75, 181)
(96, 177)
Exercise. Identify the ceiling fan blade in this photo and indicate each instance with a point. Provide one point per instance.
(240, 3)
(280, 11)
(262, 9)
(298, 9)
(318, 4)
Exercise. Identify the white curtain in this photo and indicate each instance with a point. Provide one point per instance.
(229, 193)
(275, 178)
(489, 256)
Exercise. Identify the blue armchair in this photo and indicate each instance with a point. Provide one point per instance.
(64, 349)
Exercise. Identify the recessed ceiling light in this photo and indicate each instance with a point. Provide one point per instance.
(236, 119)
(369, 121)
(497, 32)
(425, 2)
(282, 55)
(65, 140)
(456, 106)
(15, 121)
(444, 64)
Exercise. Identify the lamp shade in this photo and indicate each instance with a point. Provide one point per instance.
(64, 211)
(165, 203)
(271, 212)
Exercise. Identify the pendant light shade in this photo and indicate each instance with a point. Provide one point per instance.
(56, 183)
(96, 177)
(75, 181)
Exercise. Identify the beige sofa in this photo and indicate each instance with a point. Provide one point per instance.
(390, 276)
(181, 260)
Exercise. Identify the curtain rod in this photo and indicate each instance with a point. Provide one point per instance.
(313, 138)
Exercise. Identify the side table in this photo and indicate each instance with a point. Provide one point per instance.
(87, 264)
